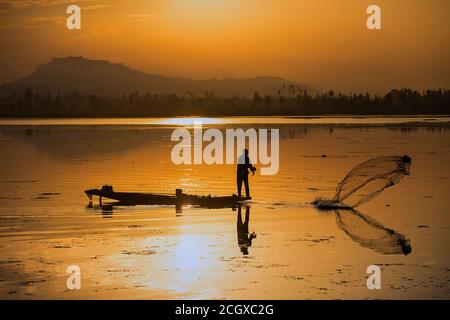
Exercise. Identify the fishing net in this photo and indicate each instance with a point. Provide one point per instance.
(366, 181)
(371, 234)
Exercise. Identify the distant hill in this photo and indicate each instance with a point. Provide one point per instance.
(101, 77)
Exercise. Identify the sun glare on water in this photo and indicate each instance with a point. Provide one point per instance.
(189, 121)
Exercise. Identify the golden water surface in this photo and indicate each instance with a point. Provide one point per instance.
(150, 252)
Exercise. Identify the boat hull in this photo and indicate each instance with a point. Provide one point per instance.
(135, 198)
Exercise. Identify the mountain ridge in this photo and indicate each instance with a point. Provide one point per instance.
(102, 77)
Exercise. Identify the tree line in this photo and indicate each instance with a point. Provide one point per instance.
(396, 102)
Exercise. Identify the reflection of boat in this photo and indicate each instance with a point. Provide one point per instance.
(179, 199)
(371, 234)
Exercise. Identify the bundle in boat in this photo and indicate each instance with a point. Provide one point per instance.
(180, 198)
(366, 181)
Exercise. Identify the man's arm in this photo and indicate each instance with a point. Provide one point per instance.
(250, 166)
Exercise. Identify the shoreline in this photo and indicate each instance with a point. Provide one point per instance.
(354, 121)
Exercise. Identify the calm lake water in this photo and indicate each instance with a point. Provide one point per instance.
(149, 252)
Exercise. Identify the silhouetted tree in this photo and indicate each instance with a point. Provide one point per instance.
(402, 101)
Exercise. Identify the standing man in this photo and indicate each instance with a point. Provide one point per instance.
(244, 164)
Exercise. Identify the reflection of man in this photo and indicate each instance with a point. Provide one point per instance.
(244, 238)
(243, 166)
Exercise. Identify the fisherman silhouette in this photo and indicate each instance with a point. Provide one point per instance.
(244, 238)
(244, 164)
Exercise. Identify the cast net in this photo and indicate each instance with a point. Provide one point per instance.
(366, 181)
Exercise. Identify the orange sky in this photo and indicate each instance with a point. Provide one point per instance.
(321, 43)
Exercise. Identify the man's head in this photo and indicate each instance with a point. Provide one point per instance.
(246, 152)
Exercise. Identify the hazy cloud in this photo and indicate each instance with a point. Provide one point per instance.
(21, 4)
(95, 7)
(143, 17)
(51, 20)
(36, 22)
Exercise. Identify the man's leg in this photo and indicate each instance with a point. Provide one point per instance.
(247, 188)
(239, 185)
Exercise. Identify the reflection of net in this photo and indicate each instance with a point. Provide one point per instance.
(371, 234)
(369, 179)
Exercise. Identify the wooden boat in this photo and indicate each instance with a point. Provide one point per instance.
(179, 199)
